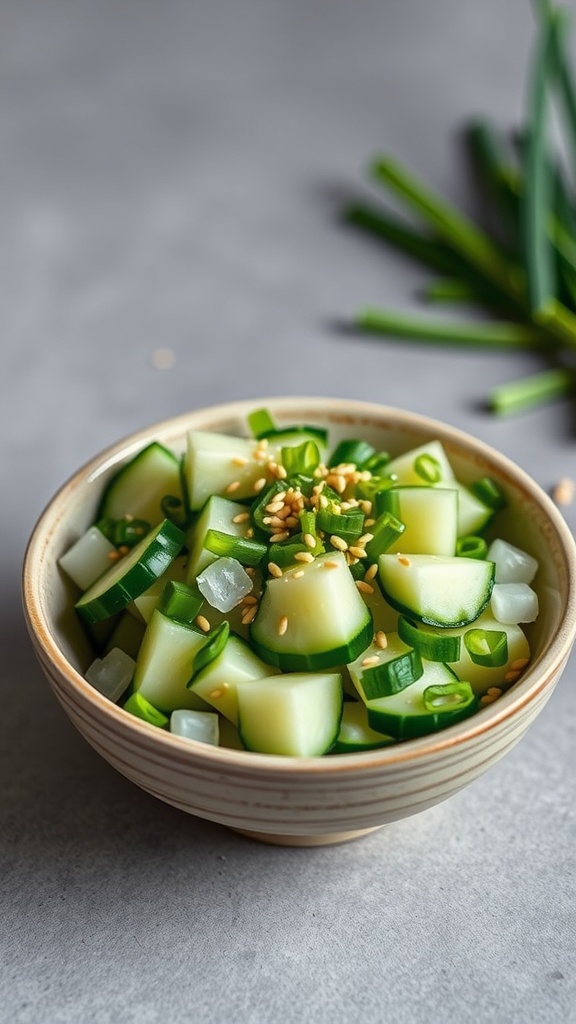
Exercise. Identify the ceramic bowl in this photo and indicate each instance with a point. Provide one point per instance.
(288, 800)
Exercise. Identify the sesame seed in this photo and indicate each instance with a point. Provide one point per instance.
(303, 556)
(357, 552)
(338, 542)
(403, 559)
(323, 501)
(366, 506)
(371, 572)
(365, 539)
(297, 575)
(277, 537)
(249, 570)
(283, 625)
(309, 540)
(487, 699)
(494, 691)
(249, 599)
(249, 533)
(259, 484)
(274, 570)
(369, 522)
(114, 556)
(241, 517)
(364, 588)
(239, 460)
(249, 615)
(330, 565)
(218, 692)
(563, 492)
(291, 522)
(202, 623)
(519, 664)
(511, 677)
(373, 659)
(274, 507)
(381, 640)
(276, 521)
(233, 486)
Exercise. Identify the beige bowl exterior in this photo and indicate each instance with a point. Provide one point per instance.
(305, 801)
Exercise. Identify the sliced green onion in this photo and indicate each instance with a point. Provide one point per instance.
(352, 451)
(301, 458)
(377, 462)
(180, 602)
(492, 334)
(284, 552)
(124, 532)
(243, 549)
(431, 645)
(487, 647)
(488, 491)
(307, 519)
(448, 696)
(260, 422)
(391, 676)
(140, 707)
(348, 524)
(471, 547)
(428, 468)
(216, 641)
(533, 390)
(385, 531)
(174, 509)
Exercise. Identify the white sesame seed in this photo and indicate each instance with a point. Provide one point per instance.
(241, 517)
(274, 570)
(338, 542)
(371, 572)
(373, 659)
(239, 460)
(298, 575)
(309, 540)
(277, 537)
(283, 625)
(365, 588)
(330, 565)
(233, 486)
(380, 639)
(202, 623)
(403, 559)
(358, 552)
(303, 556)
(519, 664)
(259, 484)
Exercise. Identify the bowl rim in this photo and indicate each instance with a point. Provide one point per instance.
(526, 691)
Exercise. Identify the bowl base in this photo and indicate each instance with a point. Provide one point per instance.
(329, 839)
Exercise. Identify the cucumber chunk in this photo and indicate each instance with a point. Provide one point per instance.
(164, 664)
(430, 518)
(412, 466)
(217, 514)
(439, 590)
(356, 733)
(217, 683)
(312, 617)
(297, 714)
(138, 487)
(378, 672)
(132, 574)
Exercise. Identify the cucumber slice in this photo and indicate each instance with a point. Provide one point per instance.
(430, 518)
(217, 683)
(379, 672)
(405, 715)
(138, 487)
(297, 714)
(132, 574)
(355, 732)
(164, 664)
(214, 463)
(143, 605)
(312, 617)
(438, 590)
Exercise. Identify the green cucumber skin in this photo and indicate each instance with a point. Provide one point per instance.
(427, 619)
(109, 501)
(412, 727)
(426, 643)
(293, 661)
(161, 551)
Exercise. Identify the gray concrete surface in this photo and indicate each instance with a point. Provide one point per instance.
(170, 177)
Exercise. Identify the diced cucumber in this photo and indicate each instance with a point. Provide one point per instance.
(473, 515)
(297, 714)
(88, 558)
(439, 590)
(216, 684)
(429, 515)
(378, 672)
(412, 466)
(312, 617)
(355, 732)
(215, 463)
(132, 574)
(432, 643)
(164, 664)
(217, 514)
(138, 487)
(405, 716)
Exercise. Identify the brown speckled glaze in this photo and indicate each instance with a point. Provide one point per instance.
(309, 801)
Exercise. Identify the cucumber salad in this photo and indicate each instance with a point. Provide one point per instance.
(279, 594)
